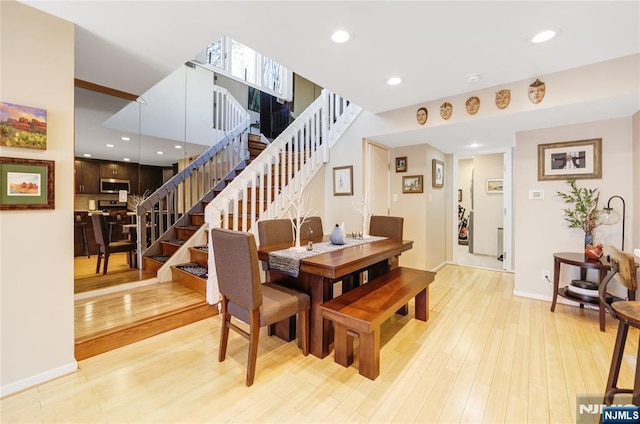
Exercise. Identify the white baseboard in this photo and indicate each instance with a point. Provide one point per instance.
(18, 386)
(561, 299)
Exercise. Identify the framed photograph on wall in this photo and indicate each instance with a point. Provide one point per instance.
(494, 186)
(26, 184)
(343, 180)
(570, 160)
(412, 184)
(437, 173)
(23, 126)
(401, 164)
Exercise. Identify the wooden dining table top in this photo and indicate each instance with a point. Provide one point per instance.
(342, 262)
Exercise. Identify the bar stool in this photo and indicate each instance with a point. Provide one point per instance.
(627, 312)
(80, 224)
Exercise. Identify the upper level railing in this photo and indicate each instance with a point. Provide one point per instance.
(168, 206)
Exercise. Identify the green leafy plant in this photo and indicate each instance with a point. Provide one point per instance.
(583, 213)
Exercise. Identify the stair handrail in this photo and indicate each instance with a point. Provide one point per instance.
(283, 168)
(167, 207)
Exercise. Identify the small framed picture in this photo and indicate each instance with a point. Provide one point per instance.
(459, 195)
(437, 173)
(401, 164)
(494, 185)
(26, 184)
(343, 180)
(412, 184)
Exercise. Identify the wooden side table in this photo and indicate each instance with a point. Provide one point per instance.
(602, 265)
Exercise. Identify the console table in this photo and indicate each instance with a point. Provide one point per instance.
(602, 265)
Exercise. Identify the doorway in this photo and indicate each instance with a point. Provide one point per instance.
(482, 205)
(377, 160)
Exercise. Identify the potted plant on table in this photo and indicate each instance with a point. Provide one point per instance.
(583, 212)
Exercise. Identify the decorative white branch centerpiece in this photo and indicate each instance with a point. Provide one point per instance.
(364, 207)
(301, 211)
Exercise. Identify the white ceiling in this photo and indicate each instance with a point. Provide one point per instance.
(432, 46)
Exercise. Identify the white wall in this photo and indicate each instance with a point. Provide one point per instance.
(539, 224)
(36, 247)
(487, 211)
(636, 181)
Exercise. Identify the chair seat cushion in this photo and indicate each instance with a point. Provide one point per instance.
(278, 303)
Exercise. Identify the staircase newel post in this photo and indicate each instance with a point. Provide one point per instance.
(324, 128)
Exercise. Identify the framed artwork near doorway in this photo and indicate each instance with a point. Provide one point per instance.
(437, 173)
(26, 184)
(401, 164)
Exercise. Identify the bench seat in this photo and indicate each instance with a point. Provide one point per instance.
(363, 309)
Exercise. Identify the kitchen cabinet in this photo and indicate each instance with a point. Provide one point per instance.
(150, 178)
(87, 176)
(115, 170)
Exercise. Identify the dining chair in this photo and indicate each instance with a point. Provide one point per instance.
(116, 218)
(272, 231)
(106, 248)
(311, 229)
(386, 226)
(247, 299)
(627, 312)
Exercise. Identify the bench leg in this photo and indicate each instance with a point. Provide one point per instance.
(422, 305)
(370, 354)
(343, 345)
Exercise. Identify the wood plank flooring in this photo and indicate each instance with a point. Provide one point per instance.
(86, 279)
(484, 356)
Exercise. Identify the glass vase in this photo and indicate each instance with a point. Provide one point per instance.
(588, 239)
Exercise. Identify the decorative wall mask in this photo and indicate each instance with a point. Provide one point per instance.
(536, 91)
(473, 105)
(446, 109)
(503, 97)
(422, 114)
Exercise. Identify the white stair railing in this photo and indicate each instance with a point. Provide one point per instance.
(261, 190)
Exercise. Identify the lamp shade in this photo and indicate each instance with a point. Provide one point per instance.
(608, 216)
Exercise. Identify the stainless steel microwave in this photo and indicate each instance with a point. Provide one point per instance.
(111, 185)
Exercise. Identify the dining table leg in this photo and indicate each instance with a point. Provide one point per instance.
(320, 329)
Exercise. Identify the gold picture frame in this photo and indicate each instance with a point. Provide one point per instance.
(343, 180)
(570, 160)
(437, 173)
(412, 184)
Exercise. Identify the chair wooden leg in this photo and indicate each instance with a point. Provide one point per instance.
(98, 263)
(106, 263)
(224, 331)
(254, 335)
(616, 360)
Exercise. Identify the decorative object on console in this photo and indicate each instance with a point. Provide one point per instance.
(609, 216)
(23, 126)
(593, 252)
(26, 184)
(570, 160)
(337, 235)
(584, 212)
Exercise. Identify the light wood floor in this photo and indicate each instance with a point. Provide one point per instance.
(118, 272)
(484, 356)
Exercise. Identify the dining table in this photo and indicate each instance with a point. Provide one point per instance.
(317, 274)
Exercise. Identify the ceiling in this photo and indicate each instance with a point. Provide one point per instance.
(433, 46)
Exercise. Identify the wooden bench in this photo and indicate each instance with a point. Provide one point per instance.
(363, 309)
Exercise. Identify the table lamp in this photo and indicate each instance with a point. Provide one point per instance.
(609, 216)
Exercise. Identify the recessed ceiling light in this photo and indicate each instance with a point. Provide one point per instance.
(160, 153)
(126, 159)
(472, 78)
(340, 36)
(110, 145)
(177, 146)
(87, 155)
(394, 80)
(474, 145)
(543, 36)
(125, 138)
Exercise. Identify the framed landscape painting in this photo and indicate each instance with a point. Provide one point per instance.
(26, 184)
(23, 126)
